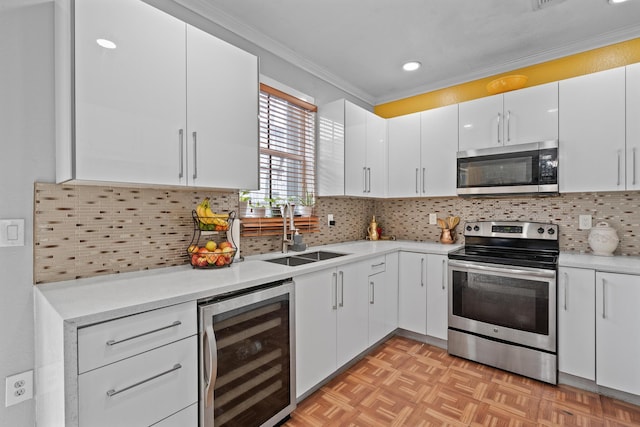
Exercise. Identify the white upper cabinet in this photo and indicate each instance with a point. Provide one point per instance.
(439, 136)
(516, 117)
(633, 127)
(137, 106)
(404, 156)
(129, 101)
(592, 132)
(422, 153)
(222, 106)
(351, 151)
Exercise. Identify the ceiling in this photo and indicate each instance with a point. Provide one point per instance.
(360, 45)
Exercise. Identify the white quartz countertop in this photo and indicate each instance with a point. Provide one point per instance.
(610, 264)
(86, 301)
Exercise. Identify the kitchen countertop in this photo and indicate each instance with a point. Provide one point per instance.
(611, 264)
(86, 301)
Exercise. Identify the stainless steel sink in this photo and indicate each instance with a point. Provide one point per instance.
(321, 255)
(301, 259)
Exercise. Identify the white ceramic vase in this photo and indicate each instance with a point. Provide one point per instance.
(603, 239)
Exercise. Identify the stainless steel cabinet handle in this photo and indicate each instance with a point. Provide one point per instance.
(380, 264)
(633, 165)
(364, 179)
(424, 187)
(499, 115)
(335, 291)
(508, 125)
(195, 155)
(444, 273)
(619, 156)
(114, 342)
(373, 293)
(417, 179)
(368, 180)
(566, 285)
(421, 271)
(604, 305)
(341, 273)
(210, 364)
(113, 392)
(181, 153)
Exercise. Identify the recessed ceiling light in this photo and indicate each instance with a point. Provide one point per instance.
(616, 1)
(107, 44)
(411, 66)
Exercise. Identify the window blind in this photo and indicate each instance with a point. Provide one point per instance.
(287, 148)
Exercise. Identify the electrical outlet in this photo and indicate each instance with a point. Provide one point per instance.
(330, 220)
(433, 218)
(18, 388)
(584, 222)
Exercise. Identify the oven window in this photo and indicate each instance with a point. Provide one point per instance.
(253, 381)
(516, 303)
(499, 170)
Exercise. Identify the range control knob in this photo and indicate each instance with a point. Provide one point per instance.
(476, 228)
(551, 231)
(540, 230)
(468, 228)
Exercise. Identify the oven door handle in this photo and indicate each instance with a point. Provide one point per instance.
(487, 268)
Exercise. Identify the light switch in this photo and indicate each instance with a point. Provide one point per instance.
(11, 232)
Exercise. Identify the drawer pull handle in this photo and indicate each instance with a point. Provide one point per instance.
(114, 342)
(380, 264)
(113, 392)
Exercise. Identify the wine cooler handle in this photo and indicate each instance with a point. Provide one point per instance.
(211, 359)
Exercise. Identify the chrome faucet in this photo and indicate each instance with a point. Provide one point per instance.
(287, 240)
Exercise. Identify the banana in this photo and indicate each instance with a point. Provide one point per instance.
(208, 217)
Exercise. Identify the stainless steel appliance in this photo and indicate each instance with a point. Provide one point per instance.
(247, 357)
(510, 169)
(502, 297)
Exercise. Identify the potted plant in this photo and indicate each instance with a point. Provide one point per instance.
(305, 204)
(273, 206)
(243, 204)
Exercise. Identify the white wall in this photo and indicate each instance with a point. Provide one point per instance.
(27, 155)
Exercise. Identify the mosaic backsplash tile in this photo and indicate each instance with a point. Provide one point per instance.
(90, 230)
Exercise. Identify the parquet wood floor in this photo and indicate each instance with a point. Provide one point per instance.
(408, 383)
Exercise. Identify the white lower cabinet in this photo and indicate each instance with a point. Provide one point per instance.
(617, 336)
(139, 370)
(331, 321)
(186, 417)
(412, 292)
(383, 297)
(437, 296)
(576, 322)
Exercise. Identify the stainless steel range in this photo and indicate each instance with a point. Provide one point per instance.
(502, 298)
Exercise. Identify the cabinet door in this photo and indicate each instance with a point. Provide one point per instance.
(576, 322)
(222, 105)
(531, 114)
(355, 137)
(353, 312)
(129, 101)
(390, 295)
(617, 321)
(592, 132)
(437, 296)
(330, 159)
(480, 123)
(412, 299)
(439, 145)
(633, 127)
(404, 156)
(377, 316)
(376, 158)
(316, 307)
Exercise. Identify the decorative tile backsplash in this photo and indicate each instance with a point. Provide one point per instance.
(90, 230)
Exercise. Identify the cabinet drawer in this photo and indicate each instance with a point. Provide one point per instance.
(185, 418)
(140, 390)
(377, 265)
(108, 342)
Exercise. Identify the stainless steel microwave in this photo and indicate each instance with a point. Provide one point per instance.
(512, 169)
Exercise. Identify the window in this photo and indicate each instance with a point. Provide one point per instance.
(287, 149)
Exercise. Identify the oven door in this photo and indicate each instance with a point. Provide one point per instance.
(510, 304)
